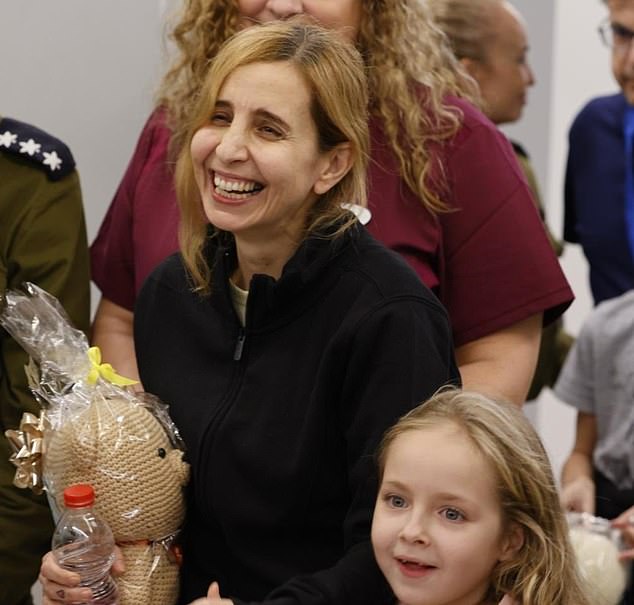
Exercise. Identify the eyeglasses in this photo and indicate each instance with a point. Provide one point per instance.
(615, 36)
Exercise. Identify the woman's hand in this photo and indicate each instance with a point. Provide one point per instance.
(62, 586)
(213, 597)
(625, 522)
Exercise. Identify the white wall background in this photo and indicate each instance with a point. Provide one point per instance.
(86, 71)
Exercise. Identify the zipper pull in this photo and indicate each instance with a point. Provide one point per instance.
(237, 354)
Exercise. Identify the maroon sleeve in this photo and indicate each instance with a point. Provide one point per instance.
(499, 265)
(140, 227)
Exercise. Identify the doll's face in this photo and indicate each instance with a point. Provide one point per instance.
(123, 451)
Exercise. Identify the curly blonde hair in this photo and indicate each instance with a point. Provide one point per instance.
(199, 29)
(544, 570)
(410, 70)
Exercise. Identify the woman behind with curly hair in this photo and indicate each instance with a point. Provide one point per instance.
(402, 43)
(444, 188)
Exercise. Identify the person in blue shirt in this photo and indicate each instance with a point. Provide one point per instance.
(599, 189)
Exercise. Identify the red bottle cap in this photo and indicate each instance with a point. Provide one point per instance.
(76, 496)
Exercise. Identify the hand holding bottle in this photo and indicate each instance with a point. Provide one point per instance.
(83, 554)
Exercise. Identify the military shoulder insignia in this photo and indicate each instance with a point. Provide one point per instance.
(31, 143)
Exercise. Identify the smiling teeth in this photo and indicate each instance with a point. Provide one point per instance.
(240, 186)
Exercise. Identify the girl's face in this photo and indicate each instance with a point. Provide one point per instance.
(438, 530)
(336, 14)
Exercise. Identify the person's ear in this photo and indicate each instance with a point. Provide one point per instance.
(337, 163)
(473, 67)
(512, 542)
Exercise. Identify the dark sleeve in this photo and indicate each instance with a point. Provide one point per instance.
(500, 267)
(48, 248)
(112, 253)
(398, 355)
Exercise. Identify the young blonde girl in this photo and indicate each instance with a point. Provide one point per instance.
(468, 510)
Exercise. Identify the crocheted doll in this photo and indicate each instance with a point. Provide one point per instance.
(97, 431)
(123, 451)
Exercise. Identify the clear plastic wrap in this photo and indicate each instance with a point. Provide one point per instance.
(597, 544)
(98, 431)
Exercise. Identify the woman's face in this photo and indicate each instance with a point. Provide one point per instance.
(257, 162)
(505, 75)
(335, 14)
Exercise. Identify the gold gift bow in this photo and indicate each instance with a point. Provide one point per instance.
(105, 370)
(26, 443)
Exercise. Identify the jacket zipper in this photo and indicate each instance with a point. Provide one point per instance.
(237, 353)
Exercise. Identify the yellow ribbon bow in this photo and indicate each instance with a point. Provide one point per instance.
(105, 370)
(26, 443)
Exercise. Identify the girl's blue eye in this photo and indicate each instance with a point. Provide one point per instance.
(396, 501)
(453, 514)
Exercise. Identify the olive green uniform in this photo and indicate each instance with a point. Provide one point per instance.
(42, 240)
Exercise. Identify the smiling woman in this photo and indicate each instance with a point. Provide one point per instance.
(285, 338)
(258, 165)
(299, 147)
(282, 406)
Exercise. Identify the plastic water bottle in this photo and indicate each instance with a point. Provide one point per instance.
(83, 543)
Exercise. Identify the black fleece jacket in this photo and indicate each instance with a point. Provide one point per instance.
(281, 418)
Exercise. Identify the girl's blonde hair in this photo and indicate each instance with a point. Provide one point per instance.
(334, 73)
(544, 570)
(410, 67)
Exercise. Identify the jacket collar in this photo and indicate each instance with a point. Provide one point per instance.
(304, 276)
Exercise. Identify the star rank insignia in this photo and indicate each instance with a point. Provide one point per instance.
(34, 145)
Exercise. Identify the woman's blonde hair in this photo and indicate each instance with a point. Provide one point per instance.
(411, 70)
(544, 570)
(334, 73)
